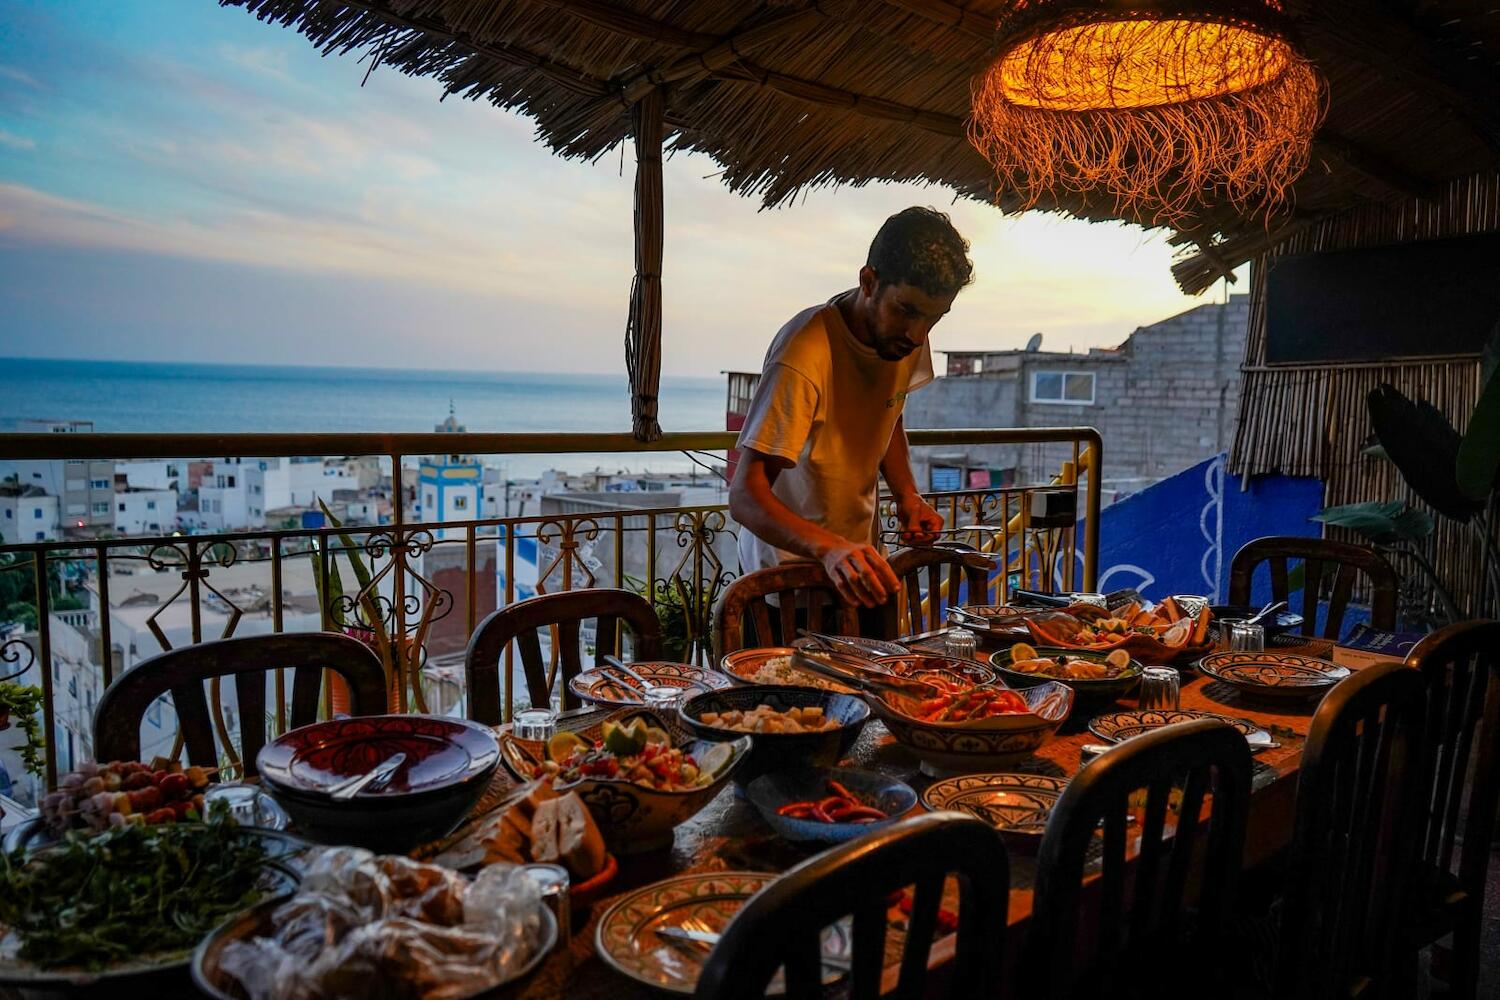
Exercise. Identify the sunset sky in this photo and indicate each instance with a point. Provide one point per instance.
(179, 181)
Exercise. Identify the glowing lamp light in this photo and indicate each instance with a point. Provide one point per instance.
(1165, 109)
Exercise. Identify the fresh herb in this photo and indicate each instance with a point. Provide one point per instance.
(129, 893)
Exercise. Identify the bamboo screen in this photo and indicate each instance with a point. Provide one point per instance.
(1311, 420)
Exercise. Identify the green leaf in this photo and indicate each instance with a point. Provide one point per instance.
(1380, 522)
(1479, 452)
(1423, 445)
(1414, 524)
(1376, 450)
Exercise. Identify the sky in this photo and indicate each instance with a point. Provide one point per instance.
(181, 182)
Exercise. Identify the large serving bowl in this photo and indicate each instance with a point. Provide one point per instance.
(632, 817)
(779, 751)
(770, 792)
(743, 664)
(448, 766)
(1089, 692)
(923, 666)
(950, 747)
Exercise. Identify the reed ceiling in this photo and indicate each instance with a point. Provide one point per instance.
(792, 94)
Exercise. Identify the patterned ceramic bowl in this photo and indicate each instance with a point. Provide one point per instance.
(632, 817)
(779, 751)
(448, 766)
(612, 688)
(1273, 675)
(1096, 693)
(947, 747)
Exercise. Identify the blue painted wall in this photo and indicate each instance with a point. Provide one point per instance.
(1178, 536)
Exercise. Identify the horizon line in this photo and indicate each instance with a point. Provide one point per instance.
(337, 367)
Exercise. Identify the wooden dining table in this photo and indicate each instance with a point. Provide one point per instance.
(729, 834)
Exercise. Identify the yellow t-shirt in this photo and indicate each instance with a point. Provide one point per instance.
(828, 404)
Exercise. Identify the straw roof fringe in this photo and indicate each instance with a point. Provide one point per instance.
(802, 93)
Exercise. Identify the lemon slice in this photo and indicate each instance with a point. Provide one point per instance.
(561, 746)
(715, 758)
(1022, 651)
(1118, 658)
(656, 734)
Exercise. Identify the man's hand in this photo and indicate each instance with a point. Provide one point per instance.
(861, 574)
(919, 522)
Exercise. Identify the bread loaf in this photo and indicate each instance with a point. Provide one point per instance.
(563, 832)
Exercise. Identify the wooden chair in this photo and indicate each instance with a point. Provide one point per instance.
(182, 672)
(782, 924)
(1149, 950)
(566, 611)
(1319, 556)
(953, 577)
(1354, 837)
(1462, 666)
(799, 587)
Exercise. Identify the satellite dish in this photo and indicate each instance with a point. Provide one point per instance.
(1034, 344)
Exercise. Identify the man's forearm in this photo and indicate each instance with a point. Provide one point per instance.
(896, 465)
(755, 506)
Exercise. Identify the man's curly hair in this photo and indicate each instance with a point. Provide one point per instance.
(919, 247)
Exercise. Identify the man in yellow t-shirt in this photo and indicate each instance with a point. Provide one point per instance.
(826, 417)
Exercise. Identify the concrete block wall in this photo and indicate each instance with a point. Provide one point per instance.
(1166, 398)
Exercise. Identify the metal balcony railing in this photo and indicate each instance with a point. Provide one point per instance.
(415, 591)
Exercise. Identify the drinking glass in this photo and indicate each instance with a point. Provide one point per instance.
(535, 724)
(664, 698)
(1191, 604)
(1161, 688)
(1246, 637)
(249, 805)
(960, 643)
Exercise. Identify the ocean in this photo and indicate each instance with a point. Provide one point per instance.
(190, 398)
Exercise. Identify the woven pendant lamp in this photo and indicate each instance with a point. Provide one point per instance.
(1165, 109)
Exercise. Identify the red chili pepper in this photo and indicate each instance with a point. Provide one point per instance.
(863, 812)
(841, 791)
(820, 814)
(796, 810)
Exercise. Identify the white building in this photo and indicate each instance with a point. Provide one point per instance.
(231, 497)
(145, 511)
(153, 473)
(28, 514)
(302, 482)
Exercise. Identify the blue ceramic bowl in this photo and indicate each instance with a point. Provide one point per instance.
(770, 792)
(780, 751)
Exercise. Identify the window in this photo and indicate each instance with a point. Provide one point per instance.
(9, 514)
(231, 482)
(36, 513)
(41, 536)
(101, 508)
(99, 484)
(150, 505)
(172, 472)
(1068, 388)
(460, 503)
(122, 508)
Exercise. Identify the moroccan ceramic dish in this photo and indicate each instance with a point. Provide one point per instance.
(1090, 691)
(946, 747)
(626, 937)
(447, 768)
(779, 751)
(1018, 805)
(1269, 674)
(771, 665)
(917, 666)
(632, 817)
(1118, 726)
(615, 688)
(770, 792)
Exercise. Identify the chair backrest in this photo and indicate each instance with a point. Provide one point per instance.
(1320, 557)
(953, 577)
(1461, 664)
(566, 611)
(182, 672)
(782, 924)
(1353, 840)
(746, 618)
(1067, 957)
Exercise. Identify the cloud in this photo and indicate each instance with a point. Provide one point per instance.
(13, 141)
(19, 75)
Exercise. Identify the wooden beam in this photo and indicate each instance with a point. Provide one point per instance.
(1354, 157)
(1370, 34)
(950, 15)
(832, 97)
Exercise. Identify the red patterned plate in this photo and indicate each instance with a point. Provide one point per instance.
(440, 752)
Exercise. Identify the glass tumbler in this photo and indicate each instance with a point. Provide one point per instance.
(1160, 689)
(535, 724)
(1246, 637)
(960, 643)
